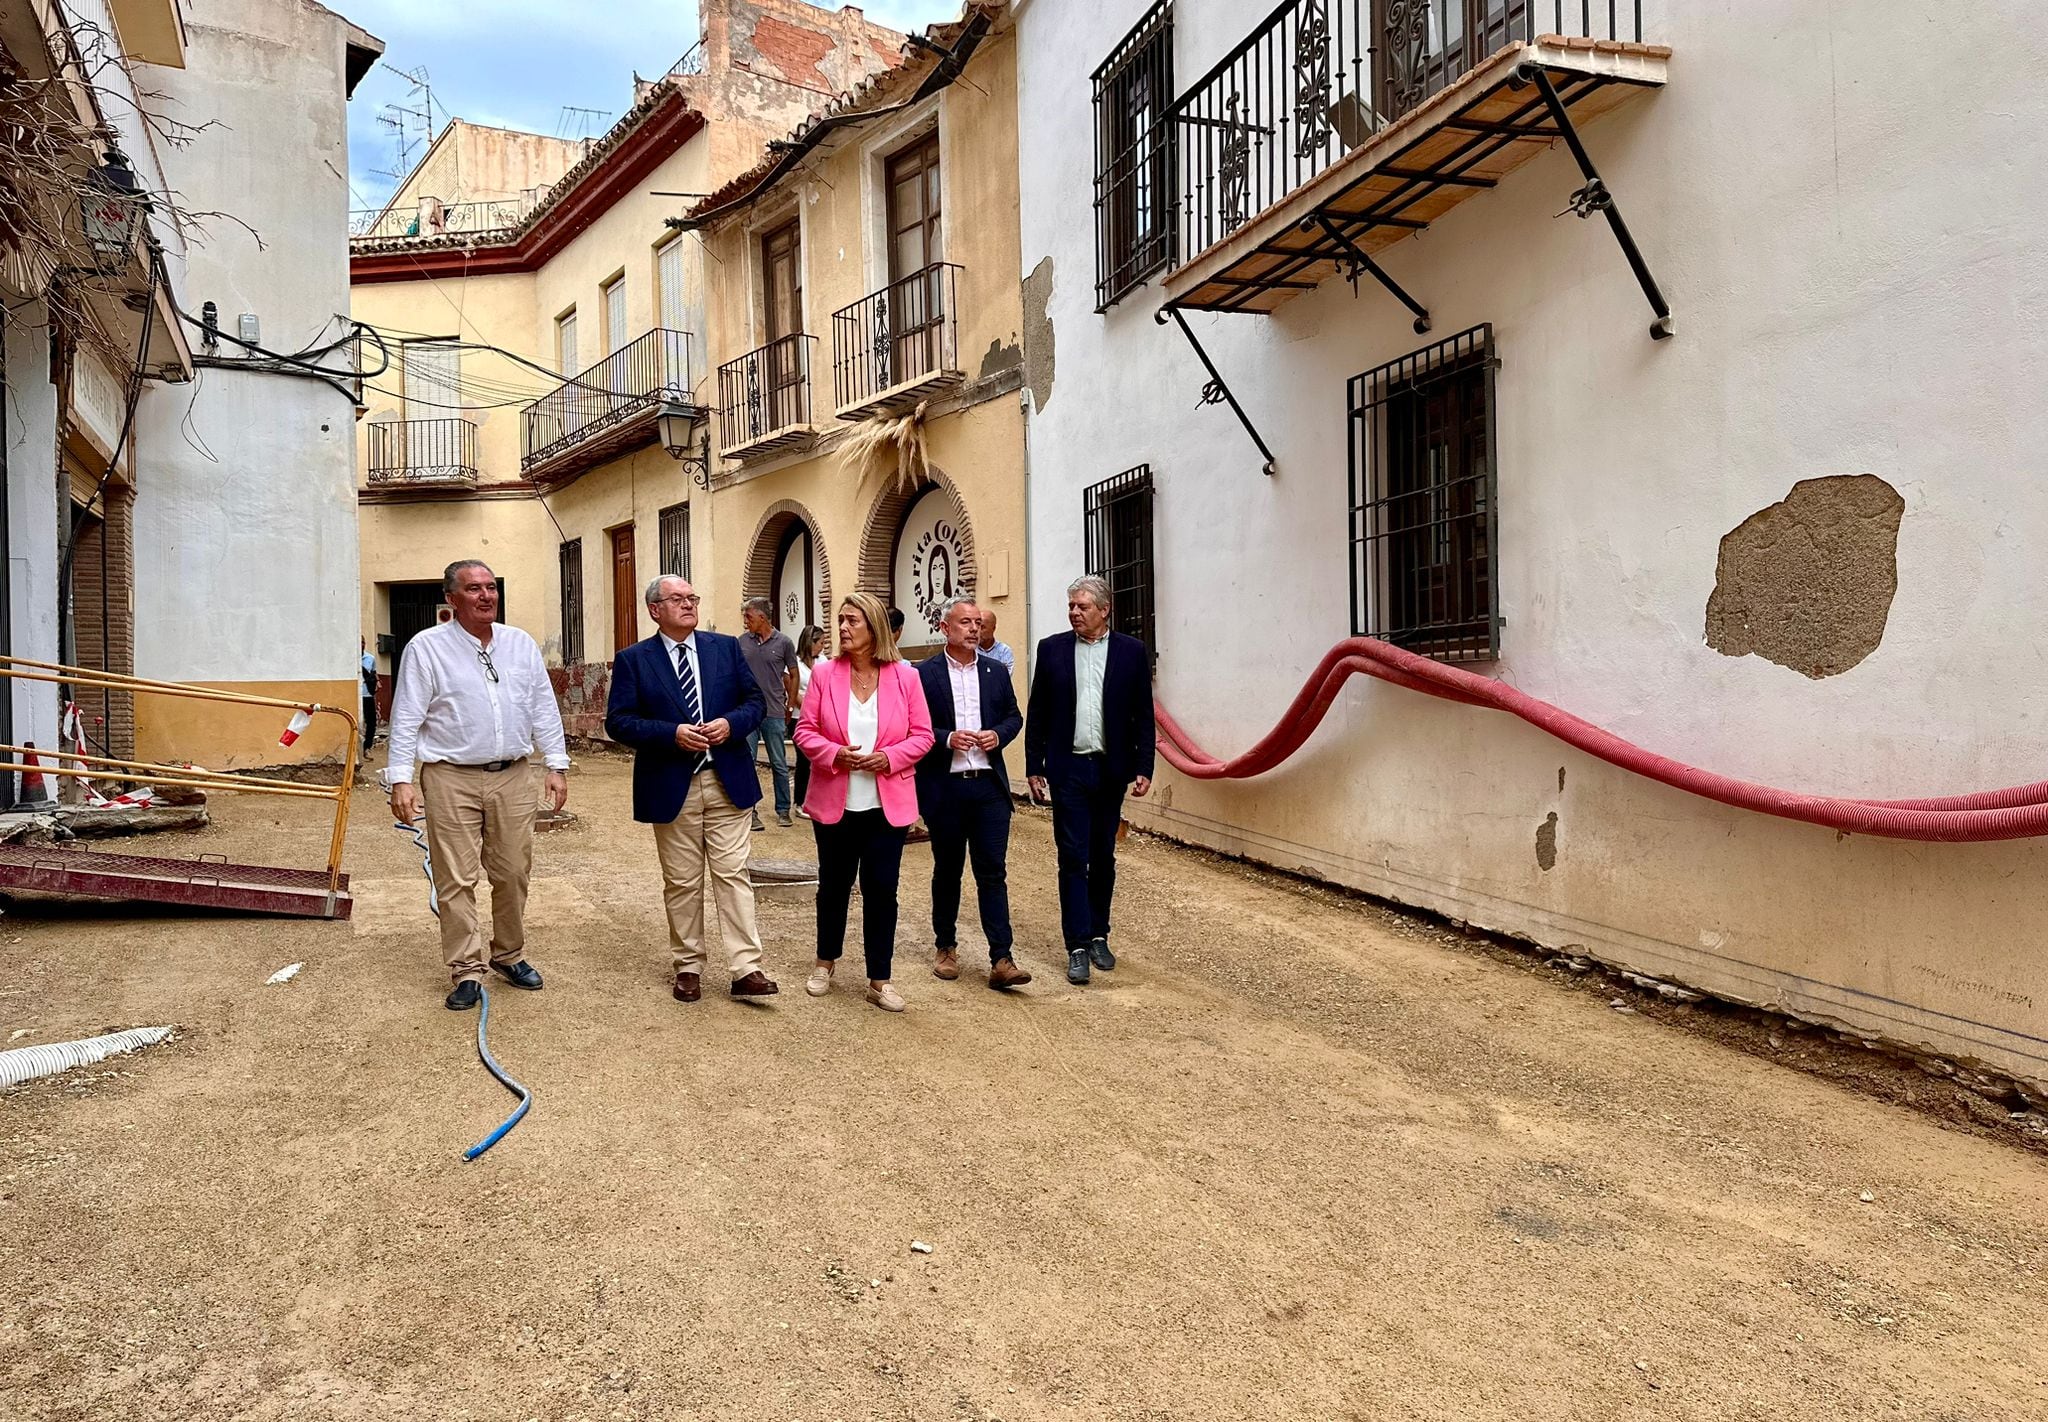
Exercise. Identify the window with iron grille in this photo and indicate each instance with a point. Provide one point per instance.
(1134, 168)
(674, 535)
(572, 602)
(1424, 510)
(1118, 518)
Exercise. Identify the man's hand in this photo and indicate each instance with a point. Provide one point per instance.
(1141, 787)
(691, 739)
(1041, 793)
(554, 791)
(405, 801)
(987, 740)
(717, 732)
(962, 740)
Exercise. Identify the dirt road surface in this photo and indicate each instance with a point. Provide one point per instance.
(1294, 1158)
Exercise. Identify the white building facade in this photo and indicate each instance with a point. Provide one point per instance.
(1793, 538)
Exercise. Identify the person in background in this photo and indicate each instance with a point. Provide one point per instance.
(990, 647)
(471, 700)
(963, 788)
(771, 656)
(864, 728)
(1090, 737)
(369, 672)
(686, 701)
(809, 646)
(896, 624)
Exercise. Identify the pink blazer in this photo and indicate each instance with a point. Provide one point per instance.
(905, 736)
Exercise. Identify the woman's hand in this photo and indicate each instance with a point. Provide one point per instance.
(849, 758)
(874, 761)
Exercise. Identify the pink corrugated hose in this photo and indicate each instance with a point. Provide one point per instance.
(2018, 812)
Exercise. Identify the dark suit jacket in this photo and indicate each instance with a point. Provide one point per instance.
(999, 713)
(646, 706)
(1128, 734)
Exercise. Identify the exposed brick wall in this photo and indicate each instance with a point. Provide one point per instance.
(797, 51)
(581, 692)
(109, 716)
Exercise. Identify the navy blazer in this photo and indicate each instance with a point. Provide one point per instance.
(999, 713)
(1128, 735)
(646, 706)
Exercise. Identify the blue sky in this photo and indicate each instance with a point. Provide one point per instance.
(518, 63)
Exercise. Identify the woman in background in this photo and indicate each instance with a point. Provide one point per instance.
(864, 728)
(809, 643)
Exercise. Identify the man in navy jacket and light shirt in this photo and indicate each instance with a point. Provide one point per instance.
(1089, 738)
(963, 788)
(685, 701)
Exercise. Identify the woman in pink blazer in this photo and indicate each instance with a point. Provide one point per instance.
(864, 728)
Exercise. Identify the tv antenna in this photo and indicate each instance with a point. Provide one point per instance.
(581, 120)
(411, 122)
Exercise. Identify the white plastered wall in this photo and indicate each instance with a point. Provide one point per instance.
(32, 551)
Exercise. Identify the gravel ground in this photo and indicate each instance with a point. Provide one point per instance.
(1297, 1157)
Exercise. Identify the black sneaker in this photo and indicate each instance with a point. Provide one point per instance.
(1098, 949)
(522, 974)
(1077, 965)
(464, 995)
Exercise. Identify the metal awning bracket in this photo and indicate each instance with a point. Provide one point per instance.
(1216, 392)
(1358, 262)
(1595, 197)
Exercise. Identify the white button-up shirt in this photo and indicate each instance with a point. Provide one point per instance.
(446, 708)
(966, 709)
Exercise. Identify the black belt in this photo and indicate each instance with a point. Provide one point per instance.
(970, 774)
(490, 765)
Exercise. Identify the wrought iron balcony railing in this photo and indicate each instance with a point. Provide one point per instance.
(439, 219)
(765, 395)
(423, 452)
(633, 382)
(1317, 78)
(900, 340)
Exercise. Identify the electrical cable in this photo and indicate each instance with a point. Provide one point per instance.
(2015, 812)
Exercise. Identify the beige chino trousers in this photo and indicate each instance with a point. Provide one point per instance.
(480, 822)
(715, 834)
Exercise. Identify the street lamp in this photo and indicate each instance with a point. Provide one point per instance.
(110, 208)
(677, 427)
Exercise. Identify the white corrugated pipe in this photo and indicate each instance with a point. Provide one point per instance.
(28, 1063)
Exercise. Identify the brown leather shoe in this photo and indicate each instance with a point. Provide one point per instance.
(755, 984)
(947, 964)
(1004, 973)
(687, 989)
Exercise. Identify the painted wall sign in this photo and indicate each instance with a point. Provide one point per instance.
(931, 564)
(98, 400)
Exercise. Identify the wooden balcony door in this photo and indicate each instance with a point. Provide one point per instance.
(916, 244)
(782, 304)
(625, 590)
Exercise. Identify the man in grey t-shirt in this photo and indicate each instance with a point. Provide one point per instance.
(771, 656)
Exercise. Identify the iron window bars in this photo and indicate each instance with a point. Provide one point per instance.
(765, 390)
(1117, 518)
(1134, 167)
(673, 534)
(1424, 511)
(423, 452)
(641, 375)
(572, 602)
(1317, 78)
(906, 332)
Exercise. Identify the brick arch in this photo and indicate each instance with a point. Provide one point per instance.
(885, 521)
(766, 549)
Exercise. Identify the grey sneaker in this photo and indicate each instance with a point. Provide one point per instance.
(784, 820)
(1077, 965)
(757, 821)
(1098, 949)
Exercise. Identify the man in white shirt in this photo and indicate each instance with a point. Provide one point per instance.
(963, 787)
(471, 701)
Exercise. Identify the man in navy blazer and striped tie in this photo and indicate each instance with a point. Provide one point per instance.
(685, 702)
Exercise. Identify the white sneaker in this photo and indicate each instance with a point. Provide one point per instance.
(885, 997)
(819, 982)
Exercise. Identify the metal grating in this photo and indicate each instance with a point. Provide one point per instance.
(1424, 511)
(572, 602)
(1135, 174)
(1117, 515)
(673, 534)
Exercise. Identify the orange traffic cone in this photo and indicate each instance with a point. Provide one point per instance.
(32, 788)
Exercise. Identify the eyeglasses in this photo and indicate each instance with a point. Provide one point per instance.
(681, 599)
(490, 667)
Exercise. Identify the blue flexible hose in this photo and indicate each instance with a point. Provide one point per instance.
(418, 835)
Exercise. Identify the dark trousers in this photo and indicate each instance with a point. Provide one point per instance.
(1086, 812)
(802, 774)
(864, 846)
(369, 722)
(970, 817)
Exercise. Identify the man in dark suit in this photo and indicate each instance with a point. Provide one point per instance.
(685, 702)
(963, 787)
(1090, 737)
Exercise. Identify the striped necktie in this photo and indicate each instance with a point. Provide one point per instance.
(688, 681)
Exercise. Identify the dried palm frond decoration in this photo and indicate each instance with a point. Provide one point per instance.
(891, 447)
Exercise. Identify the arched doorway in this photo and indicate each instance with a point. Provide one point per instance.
(917, 551)
(787, 565)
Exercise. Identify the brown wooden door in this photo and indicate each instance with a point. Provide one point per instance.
(625, 591)
(916, 244)
(782, 300)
